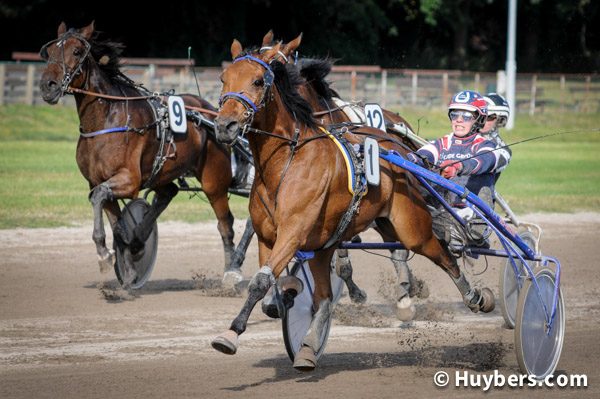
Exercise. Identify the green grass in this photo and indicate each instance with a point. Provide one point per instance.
(41, 186)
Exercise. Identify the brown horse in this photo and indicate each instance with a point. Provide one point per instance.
(301, 191)
(120, 149)
(331, 110)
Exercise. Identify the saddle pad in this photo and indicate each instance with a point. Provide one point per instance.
(355, 113)
(350, 167)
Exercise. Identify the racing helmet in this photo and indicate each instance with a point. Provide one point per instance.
(497, 105)
(468, 100)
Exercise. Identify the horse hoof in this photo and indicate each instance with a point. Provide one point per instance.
(359, 297)
(305, 360)
(405, 310)
(288, 283)
(226, 342)
(232, 276)
(489, 301)
(107, 263)
(269, 304)
(419, 288)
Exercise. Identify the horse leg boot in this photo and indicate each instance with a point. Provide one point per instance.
(306, 359)
(98, 197)
(409, 284)
(343, 268)
(475, 298)
(257, 288)
(233, 272)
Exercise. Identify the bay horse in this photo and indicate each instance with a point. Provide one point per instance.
(119, 147)
(330, 109)
(301, 191)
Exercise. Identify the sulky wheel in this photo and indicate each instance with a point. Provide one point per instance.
(132, 213)
(538, 351)
(509, 283)
(298, 318)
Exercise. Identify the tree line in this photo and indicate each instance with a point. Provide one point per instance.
(552, 35)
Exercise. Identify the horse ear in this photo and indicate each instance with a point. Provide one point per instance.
(268, 38)
(236, 49)
(271, 53)
(62, 29)
(87, 31)
(291, 46)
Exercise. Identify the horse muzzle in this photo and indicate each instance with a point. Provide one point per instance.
(51, 90)
(227, 130)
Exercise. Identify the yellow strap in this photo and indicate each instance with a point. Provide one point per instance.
(346, 160)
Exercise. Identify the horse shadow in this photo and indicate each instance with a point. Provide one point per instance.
(112, 292)
(477, 357)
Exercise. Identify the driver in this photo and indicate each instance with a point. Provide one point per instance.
(466, 158)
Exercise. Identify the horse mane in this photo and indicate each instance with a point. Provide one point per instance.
(113, 51)
(315, 70)
(287, 80)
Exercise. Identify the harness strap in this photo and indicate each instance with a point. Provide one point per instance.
(357, 194)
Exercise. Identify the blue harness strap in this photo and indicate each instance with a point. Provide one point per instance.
(99, 132)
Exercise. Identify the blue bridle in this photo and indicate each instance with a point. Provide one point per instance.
(268, 78)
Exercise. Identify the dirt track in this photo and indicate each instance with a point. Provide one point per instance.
(66, 331)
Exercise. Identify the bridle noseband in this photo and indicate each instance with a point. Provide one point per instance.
(251, 108)
(68, 76)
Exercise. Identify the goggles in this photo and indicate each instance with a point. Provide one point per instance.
(492, 117)
(466, 115)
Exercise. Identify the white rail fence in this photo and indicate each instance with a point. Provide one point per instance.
(536, 93)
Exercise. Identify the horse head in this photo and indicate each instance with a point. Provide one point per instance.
(65, 57)
(247, 88)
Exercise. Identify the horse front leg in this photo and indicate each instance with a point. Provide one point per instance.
(274, 262)
(99, 196)
(260, 283)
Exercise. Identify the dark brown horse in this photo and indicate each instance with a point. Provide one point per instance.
(301, 191)
(120, 149)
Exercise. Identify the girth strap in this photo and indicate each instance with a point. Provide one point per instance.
(358, 191)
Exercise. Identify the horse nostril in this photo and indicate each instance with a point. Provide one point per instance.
(233, 127)
(52, 83)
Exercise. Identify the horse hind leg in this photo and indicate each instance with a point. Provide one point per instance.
(143, 229)
(343, 268)
(423, 242)
(408, 284)
(306, 360)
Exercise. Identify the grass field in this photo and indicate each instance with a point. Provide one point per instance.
(41, 186)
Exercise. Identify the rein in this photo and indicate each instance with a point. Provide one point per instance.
(147, 97)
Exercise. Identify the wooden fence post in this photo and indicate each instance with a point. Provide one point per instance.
(383, 88)
(353, 85)
(29, 84)
(415, 79)
(533, 90)
(2, 78)
(444, 90)
(588, 81)
(562, 93)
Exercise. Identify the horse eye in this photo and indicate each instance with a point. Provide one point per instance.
(76, 52)
(258, 82)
